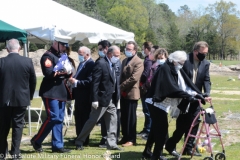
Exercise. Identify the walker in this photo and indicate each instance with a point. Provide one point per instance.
(208, 119)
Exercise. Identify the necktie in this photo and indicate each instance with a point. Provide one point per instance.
(79, 69)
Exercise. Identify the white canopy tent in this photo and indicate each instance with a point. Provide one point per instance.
(45, 18)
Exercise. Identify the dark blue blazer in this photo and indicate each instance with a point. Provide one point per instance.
(82, 92)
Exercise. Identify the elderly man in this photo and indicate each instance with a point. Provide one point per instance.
(132, 68)
(103, 99)
(54, 95)
(17, 83)
(82, 89)
(117, 67)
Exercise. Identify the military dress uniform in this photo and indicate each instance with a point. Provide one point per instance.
(54, 95)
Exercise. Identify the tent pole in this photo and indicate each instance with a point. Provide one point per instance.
(29, 121)
(25, 53)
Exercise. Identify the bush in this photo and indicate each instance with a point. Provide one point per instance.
(32, 47)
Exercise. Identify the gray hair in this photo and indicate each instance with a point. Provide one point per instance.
(13, 44)
(112, 49)
(177, 56)
(85, 49)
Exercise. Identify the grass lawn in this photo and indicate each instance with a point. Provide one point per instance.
(226, 62)
(225, 104)
(39, 80)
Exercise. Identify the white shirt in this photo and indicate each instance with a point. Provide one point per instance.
(172, 102)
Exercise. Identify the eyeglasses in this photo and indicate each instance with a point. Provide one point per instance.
(100, 49)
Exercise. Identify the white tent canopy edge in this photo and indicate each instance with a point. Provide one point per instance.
(45, 18)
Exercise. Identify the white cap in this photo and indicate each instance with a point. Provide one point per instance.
(62, 39)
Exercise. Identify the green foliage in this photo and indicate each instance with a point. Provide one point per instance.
(132, 18)
(32, 47)
(2, 46)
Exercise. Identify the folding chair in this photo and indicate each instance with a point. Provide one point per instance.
(38, 111)
(68, 119)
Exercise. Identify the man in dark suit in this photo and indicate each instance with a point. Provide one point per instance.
(197, 69)
(17, 86)
(103, 46)
(103, 99)
(117, 67)
(81, 82)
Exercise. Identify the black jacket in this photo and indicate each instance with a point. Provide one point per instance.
(203, 78)
(52, 87)
(147, 68)
(17, 80)
(118, 68)
(165, 84)
(103, 83)
(82, 92)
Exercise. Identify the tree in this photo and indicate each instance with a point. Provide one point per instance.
(226, 20)
(125, 16)
(32, 47)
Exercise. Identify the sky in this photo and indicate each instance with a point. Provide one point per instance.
(174, 5)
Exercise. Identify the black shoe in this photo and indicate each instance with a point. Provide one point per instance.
(142, 133)
(103, 141)
(145, 137)
(38, 148)
(79, 147)
(188, 152)
(175, 154)
(61, 150)
(115, 148)
(146, 155)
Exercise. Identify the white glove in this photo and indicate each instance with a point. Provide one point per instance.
(67, 66)
(95, 105)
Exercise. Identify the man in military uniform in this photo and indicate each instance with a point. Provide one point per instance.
(54, 95)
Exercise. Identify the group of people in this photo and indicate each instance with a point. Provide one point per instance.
(108, 91)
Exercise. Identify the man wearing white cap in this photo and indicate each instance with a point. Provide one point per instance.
(54, 95)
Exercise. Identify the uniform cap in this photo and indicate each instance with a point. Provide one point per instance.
(62, 39)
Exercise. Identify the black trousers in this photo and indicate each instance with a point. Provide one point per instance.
(159, 130)
(128, 119)
(183, 125)
(81, 115)
(103, 125)
(11, 116)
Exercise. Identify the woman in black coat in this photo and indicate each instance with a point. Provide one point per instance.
(170, 87)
